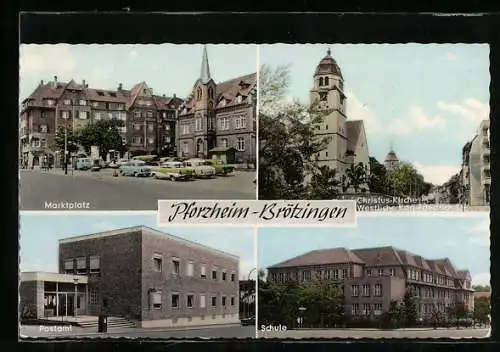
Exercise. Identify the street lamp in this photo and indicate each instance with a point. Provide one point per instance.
(76, 295)
(300, 318)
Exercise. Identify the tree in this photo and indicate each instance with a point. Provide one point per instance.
(103, 134)
(65, 139)
(288, 143)
(406, 181)
(453, 186)
(481, 310)
(323, 184)
(481, 288)
(377, 181)
(408, 309)
(458, 312)
(392, 317)
(357, 175)
(344, 183)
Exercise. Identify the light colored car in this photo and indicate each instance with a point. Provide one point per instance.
(172, 170)
(135, 168)
(83, 164)
(202, 168)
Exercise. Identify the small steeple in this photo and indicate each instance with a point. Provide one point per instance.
(391, 147)
(205, 68)
(328, 52)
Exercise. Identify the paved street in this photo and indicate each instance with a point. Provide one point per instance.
(102, 191)
(376, 334)
(228, 331)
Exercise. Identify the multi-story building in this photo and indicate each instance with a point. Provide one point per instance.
(218, 118)
(475, 176)
(148, 277)
(347, 139)
(372, 278)
(149, 120)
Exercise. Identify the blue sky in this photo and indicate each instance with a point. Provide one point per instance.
(39, 237)
(464, 240)
(168, 69)
(427, 100)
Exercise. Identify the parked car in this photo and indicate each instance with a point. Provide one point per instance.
(83, 164)
(135, 168)
(248, 321)
(202, 168)
(113, 164)
(220, 168)
(173, 171)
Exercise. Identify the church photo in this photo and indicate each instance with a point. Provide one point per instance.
(345, 121)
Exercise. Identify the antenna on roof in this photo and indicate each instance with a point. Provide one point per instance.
(391, 146)
(329, 52)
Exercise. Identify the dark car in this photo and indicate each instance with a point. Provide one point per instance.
(248, 321)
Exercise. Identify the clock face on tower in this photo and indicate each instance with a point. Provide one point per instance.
(322, 96)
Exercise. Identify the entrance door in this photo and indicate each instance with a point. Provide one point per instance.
(70, 299)
(62, 305)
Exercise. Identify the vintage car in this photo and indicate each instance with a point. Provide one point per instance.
(202, 168)
(83, 164)
(220, 168)
(135, 168)
(173, 171)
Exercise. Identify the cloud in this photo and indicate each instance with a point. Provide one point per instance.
(471, 110)
(436, 174)
(133, 54)
(417, 120)
(356, 110)
(451, 57)
(480, 234)
(482, 279)
(46, 58)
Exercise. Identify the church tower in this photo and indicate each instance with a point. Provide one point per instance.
(327, 95)
(204, 95)
(391, 161)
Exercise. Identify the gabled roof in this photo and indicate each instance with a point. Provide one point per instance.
(379, 256)
(391, 156)
(321, 257)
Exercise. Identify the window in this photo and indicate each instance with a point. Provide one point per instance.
(50, 102)
(166, 139)
(176, 265)
(366, 309)
(157, 263)
(214, 274)
(224, 276)
(198, 124)
(94, 264)
(190, 269)
(198, 93)
(122, 129)
(241, 144)
(222, 102)
(67, 102)
(326, 81)
(82, 115)
(111, 115)
(202, 301)
(93, 297)
(224, 123)
(344, 273)
(97, 116)
(65, 114)
(137, 113)
(95, 104)
(233, 300)
(223, 143)
(223, 301)
(241, 122)
(366, 290)
(203, 271)
(156, 299)
(355, 309)
(214, 301)
(380, 272)
(238, 99)
(185, 128)
(211, 92)
(136, 140)
(81, 265)
(43, 128)
(83, 102)
(321, 81)
(151, 140)
(190, 301)
(377, 288)
(368, 272)
(43, 142)
(174, 303)
(355, 290)
(112, 94)
(233, 277)
(69, 264)
(392, 272)
(151, 127)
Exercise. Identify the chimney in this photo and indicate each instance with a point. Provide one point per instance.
(174, 96)
(41, 82)
(83, 84)
(120, 86)
(55, 81)
(163, 95)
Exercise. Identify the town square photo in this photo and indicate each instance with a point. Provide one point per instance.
(376, 123)
(107, 127)
(391, 277)
(122, 276)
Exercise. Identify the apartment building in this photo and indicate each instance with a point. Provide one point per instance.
(373, 277)
(475, 176)
(138, 273)
(219, 118)
(149, 119)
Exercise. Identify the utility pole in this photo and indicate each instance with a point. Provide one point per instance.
(66, 147)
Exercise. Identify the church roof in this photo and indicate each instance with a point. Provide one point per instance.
(391, 156)
(205, 67)
(328, 65)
